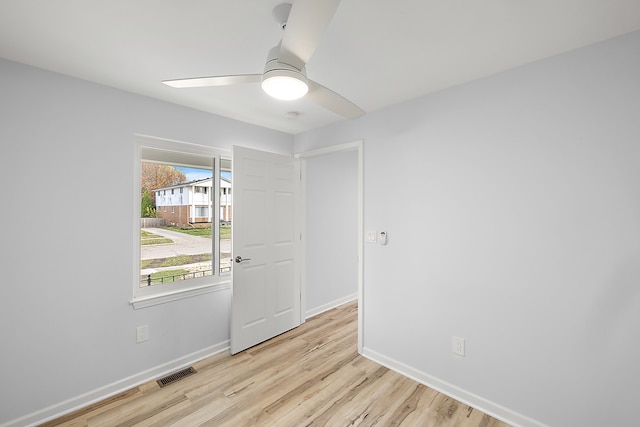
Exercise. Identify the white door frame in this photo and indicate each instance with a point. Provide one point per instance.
(358, 146)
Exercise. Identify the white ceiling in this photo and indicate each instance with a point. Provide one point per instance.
(375, 53)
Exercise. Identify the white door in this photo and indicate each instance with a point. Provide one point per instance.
(266, 289)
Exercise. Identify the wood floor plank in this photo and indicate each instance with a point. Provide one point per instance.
(79, 417)
(309, 376)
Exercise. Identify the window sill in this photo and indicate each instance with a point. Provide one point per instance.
(162, 298)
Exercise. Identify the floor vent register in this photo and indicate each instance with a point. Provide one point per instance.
(176, 376)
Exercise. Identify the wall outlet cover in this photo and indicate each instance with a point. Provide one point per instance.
(457, 346)
(142, 333)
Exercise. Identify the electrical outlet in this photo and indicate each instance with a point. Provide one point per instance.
(457, 346)
(142, 333)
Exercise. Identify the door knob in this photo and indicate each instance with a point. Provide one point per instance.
(239, 259)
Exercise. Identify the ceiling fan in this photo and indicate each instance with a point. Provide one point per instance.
(284, 76)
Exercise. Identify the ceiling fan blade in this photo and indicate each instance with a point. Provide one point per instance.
(214, 81)
(308, 20)
(332, 101)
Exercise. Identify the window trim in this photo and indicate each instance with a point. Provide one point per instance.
(160, 294)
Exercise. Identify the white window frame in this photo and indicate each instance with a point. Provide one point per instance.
(185, 154)
(201, 211)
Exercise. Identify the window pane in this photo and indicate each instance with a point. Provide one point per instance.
(225, 216)
(175, 243)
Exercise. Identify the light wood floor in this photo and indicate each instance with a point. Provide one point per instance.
(310, 376)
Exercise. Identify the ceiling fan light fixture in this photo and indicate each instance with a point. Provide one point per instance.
(284, 74)
(285, 84)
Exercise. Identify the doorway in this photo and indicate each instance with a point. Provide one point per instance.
(332, 228)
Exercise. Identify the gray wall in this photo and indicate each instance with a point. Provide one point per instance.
(331, 244)
(66, 326)
(513, 210)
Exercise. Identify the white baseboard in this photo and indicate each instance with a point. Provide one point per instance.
(477, 402)
(86, 399)
(333, 304)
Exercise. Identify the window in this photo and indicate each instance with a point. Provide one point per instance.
(186, 251)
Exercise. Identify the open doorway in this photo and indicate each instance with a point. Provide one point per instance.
(332, 227)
